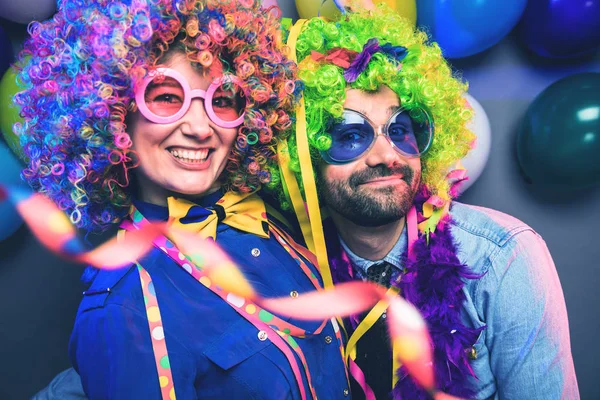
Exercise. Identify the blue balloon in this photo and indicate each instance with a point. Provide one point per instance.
(10, 174)
(6, 53)
(466, 27)
(561, 28)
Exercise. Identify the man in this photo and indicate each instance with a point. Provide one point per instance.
(386, 123)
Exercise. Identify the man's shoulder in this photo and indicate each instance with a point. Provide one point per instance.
(484, 224)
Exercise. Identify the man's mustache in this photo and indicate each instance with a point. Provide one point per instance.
(380, 171)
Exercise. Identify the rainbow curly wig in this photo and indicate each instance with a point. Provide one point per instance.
(79, 70)
(420, 78)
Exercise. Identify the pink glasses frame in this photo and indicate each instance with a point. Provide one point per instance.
(188, 95)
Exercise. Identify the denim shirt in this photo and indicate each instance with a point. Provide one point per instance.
(525, 351)
(214, 352)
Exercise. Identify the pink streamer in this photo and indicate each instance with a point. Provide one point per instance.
(407, 328)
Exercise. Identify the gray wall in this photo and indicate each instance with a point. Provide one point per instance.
(39, 293)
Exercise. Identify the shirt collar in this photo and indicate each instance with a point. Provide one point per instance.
(153, 212)
(394, 257)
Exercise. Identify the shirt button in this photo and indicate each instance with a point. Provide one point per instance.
(255, 252)
(346, 392)
(384, 315)
(262, 336)
(472, 353)
(294, 293)
(328, 339)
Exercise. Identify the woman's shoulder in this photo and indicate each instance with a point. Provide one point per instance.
(117, 286)
(120, 287)
(125, 288)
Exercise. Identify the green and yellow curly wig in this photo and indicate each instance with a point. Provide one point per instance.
(422, 78)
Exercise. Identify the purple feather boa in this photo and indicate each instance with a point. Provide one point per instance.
(433, 281)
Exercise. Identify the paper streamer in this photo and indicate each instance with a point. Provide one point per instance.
(407, 328)
(55, 231)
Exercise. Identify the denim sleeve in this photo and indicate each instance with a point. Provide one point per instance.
(64, 386)
(112, 351)
(527, 326)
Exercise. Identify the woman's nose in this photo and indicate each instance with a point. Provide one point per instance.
(196, 121)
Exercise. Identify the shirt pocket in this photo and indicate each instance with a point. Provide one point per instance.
(479, 358)
(248, 365)
(235, 345)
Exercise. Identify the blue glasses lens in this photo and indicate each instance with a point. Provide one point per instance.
(411, 131)
(350, 138)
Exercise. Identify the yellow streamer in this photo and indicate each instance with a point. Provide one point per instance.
(366, 324)
(289, 182)
(309, 214)
(307, 173)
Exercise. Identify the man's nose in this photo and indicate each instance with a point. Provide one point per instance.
(382, 153)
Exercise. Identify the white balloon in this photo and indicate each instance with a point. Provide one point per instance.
(477, 158)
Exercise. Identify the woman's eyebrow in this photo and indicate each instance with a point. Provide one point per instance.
(164, 82)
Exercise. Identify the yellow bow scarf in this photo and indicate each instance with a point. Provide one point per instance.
(245, 212)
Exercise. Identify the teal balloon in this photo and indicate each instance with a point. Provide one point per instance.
(559, 141)
(10, 174)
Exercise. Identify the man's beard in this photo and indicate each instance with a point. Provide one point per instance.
(375, 207)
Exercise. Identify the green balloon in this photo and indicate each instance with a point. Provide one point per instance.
(559, 141)
(9, 113)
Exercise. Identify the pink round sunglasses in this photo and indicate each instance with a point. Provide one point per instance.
(167, 100)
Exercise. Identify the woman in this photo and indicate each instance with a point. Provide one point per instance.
(195, 95)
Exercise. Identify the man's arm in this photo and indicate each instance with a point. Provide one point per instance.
(528, 329)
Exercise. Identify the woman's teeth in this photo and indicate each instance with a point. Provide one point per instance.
(190, 155)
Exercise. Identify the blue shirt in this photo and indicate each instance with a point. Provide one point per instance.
(525, 351)
(214, 352)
